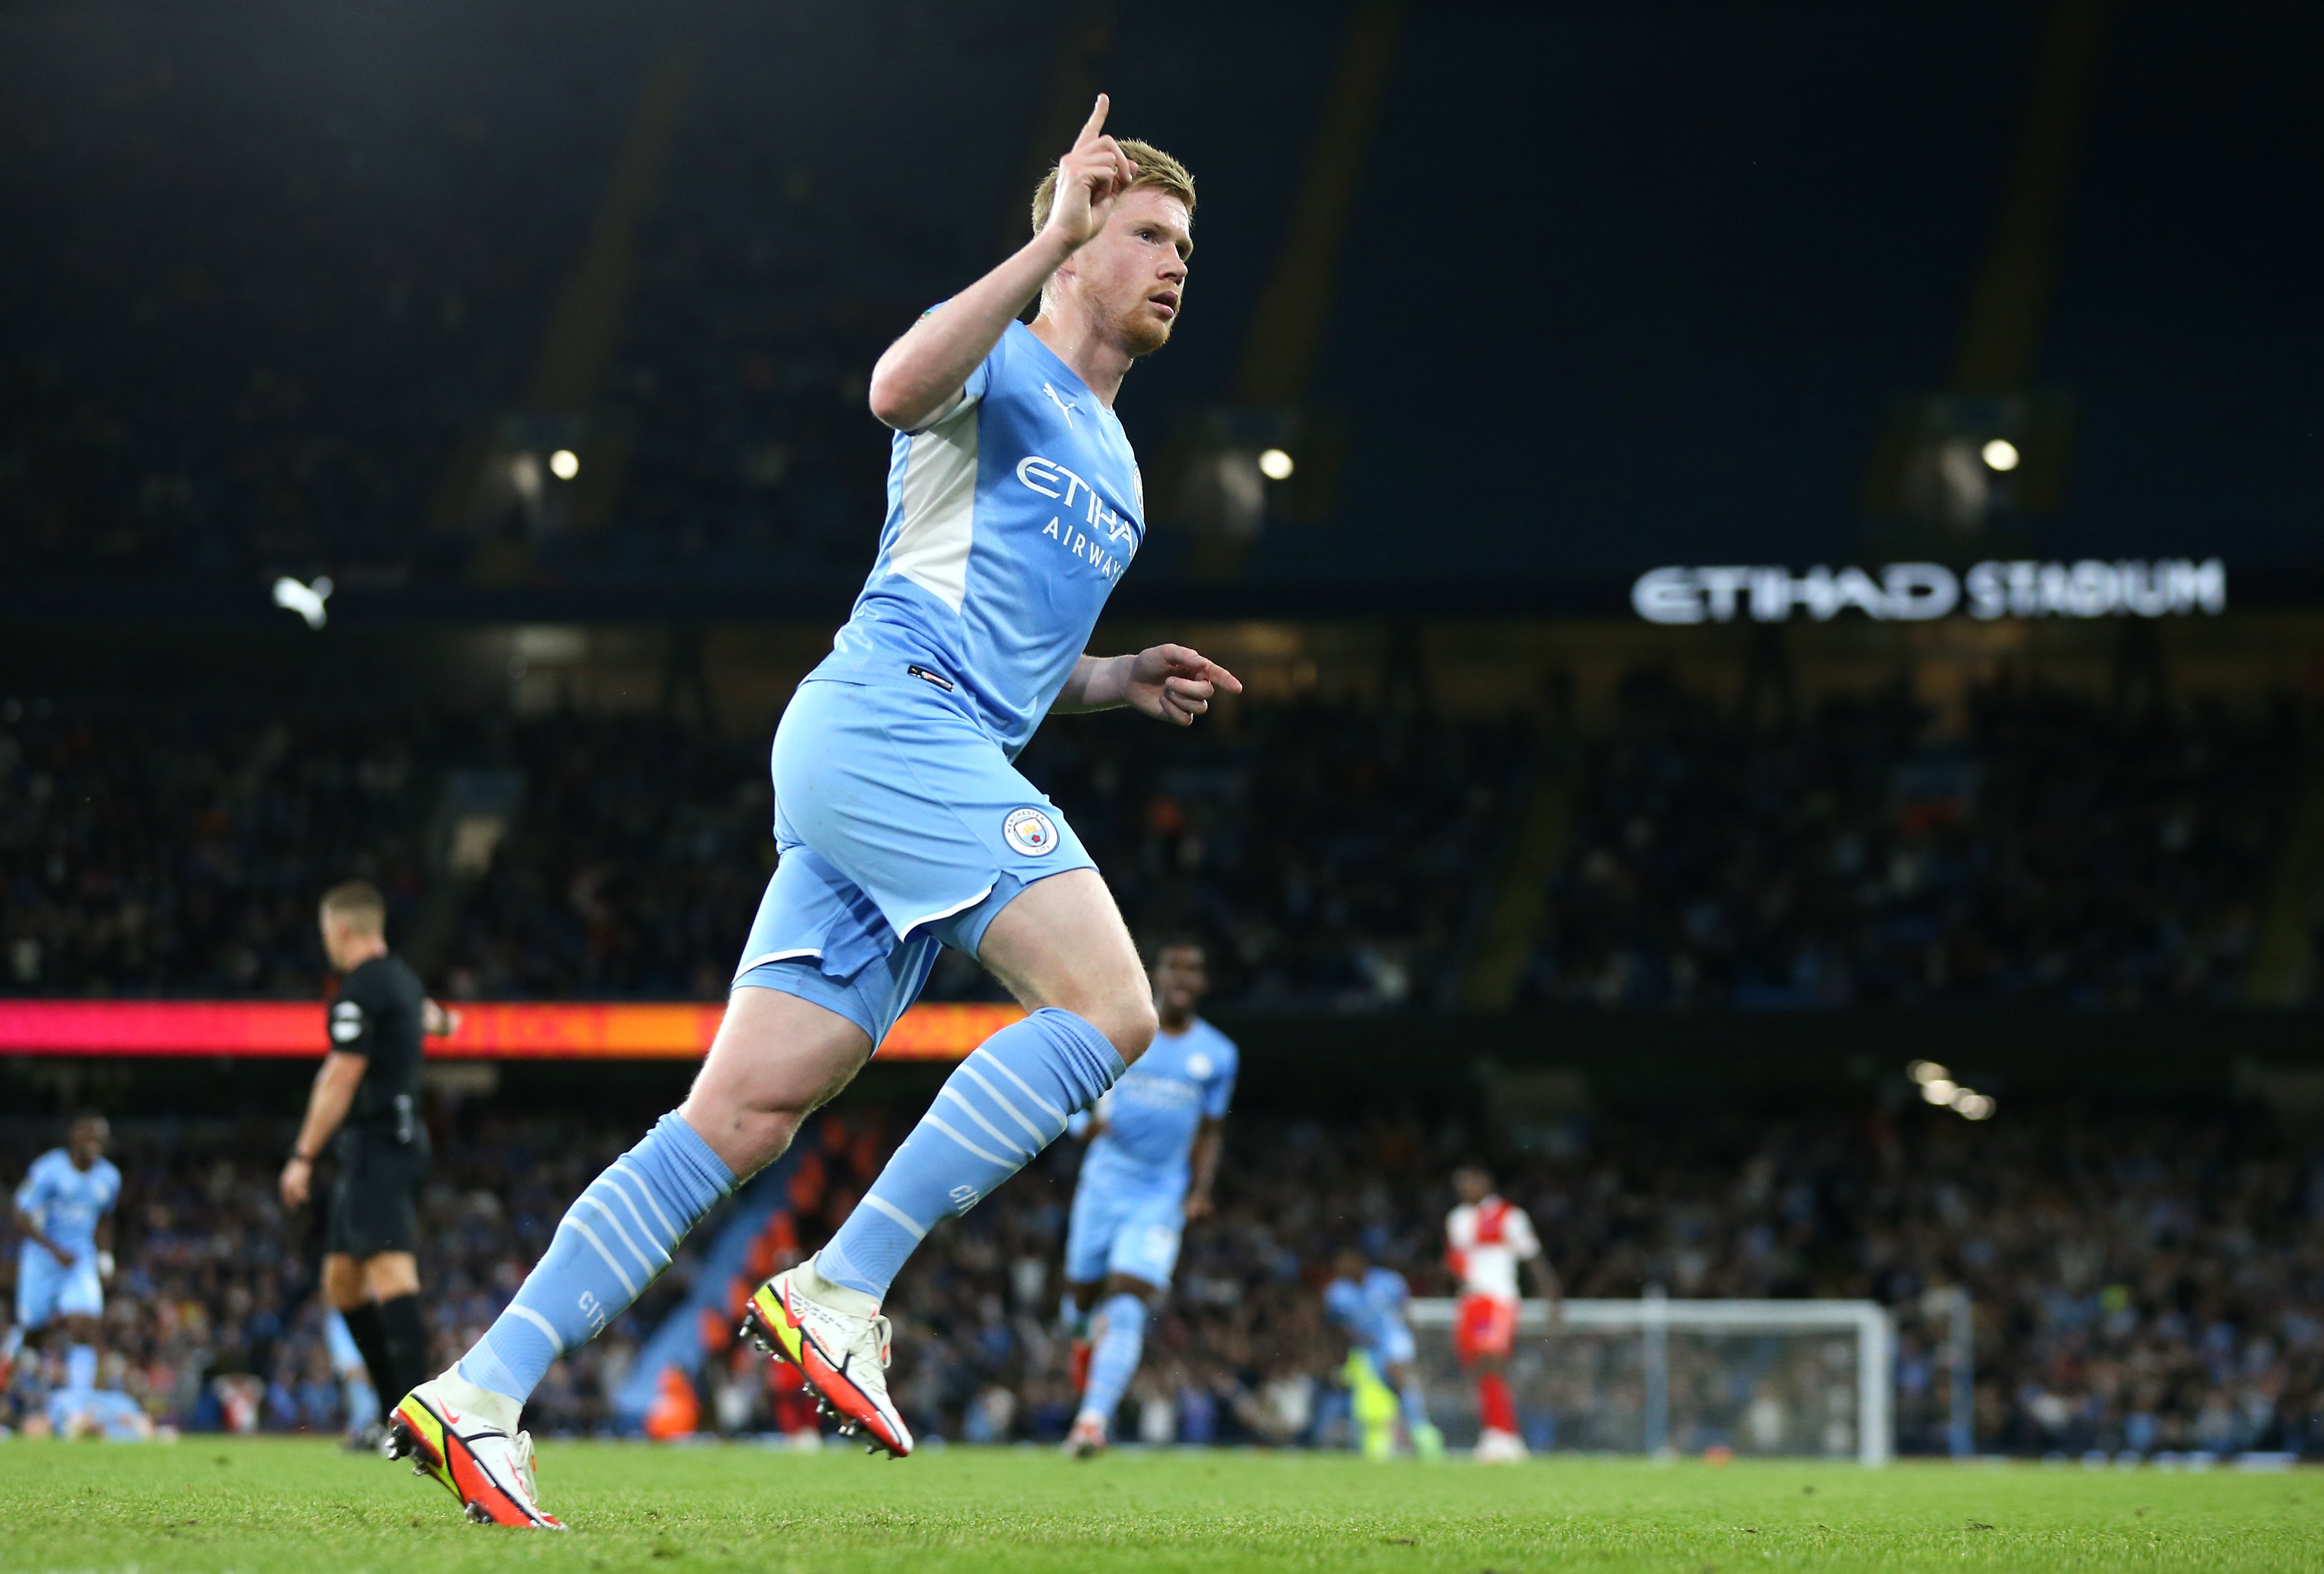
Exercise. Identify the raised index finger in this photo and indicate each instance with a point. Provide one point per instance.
(1096, 120)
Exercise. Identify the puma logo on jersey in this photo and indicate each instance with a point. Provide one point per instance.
(1065, 406)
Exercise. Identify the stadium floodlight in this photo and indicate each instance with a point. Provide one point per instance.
(1938, 1090)
(1971, 1105)
(565, 465)
(1275, 464)
(1658, 1375)
(306, 600)
(2001, 453)
(1925, 1072)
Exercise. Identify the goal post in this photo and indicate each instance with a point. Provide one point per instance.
(1657, 1375)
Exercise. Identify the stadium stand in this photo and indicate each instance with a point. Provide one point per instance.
(2144, 1284)
(151, 858)
(2054, 854)
(305, 277)
(1339, 855)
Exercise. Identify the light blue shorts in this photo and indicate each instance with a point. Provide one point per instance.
(901, 827)
(1115, 1232)
(1393, 1347)
(45, 1290)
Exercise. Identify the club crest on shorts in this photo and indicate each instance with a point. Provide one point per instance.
(1029, 831)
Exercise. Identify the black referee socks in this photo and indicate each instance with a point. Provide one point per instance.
(407, 1349)
(370, 1334)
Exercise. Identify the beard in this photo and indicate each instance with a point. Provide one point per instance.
(1141, 332)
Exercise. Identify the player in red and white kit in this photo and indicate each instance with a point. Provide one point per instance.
(1485, 1239)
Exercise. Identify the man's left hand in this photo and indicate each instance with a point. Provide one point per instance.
(1171, 683)
(297, 1176)
(1198, 1208)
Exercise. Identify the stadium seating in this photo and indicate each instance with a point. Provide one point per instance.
(304, 276)
(2054, 855)
(1337, 858)
(181, 856)
(2144, 1284)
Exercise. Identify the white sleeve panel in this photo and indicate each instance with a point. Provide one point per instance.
(965, 397)
(1461, 1228)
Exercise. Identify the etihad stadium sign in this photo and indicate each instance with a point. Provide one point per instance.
(1908, 593)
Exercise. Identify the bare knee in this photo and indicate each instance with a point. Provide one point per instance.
(343, 1282)
(391, 1274)
(776, 1059)
(1127, 1020)
(748, 1129)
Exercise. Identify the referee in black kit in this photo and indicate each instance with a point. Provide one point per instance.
(368, 1092)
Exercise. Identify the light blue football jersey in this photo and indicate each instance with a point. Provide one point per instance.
(1152, 1113)
(66, 1201)
(1371, 1308)
(1010, 518)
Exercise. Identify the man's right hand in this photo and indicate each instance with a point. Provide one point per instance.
(297, 1178)
(1089, 180)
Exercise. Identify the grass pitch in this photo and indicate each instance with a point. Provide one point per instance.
(299, 1507)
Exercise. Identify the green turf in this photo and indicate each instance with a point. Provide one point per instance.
(259, 1507)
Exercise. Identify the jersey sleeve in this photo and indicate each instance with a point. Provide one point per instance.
(112, 1190)
(971, 393)
(1523, 1241)
(1337, 1295)
(1218, 1089)
(355, 1018)
(1459, 1235)
(33, 1189)
(1461, 1229)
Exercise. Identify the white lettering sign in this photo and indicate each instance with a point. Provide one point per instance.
(1918, 592)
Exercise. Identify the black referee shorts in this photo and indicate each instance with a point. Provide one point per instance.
(376, 1201)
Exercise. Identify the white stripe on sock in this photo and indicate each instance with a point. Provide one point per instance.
(931, 1118)
(591, 1235)
(990, 1130)
(556, 1340)
(614, 1186)
(898, 1214)
(595, 1200)
(1040, 1139)
(670, 1232)
(1046, 1107)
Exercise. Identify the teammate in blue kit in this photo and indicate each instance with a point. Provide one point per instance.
(64, 1211)
(1014, 505)
(1153, 1153)
(1368, 1303)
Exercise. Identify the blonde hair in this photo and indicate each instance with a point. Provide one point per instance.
(1155, 167)
(359, 903)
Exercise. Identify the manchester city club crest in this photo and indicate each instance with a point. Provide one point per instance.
(1029, 831)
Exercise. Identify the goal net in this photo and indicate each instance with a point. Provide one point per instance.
(1658, 1376)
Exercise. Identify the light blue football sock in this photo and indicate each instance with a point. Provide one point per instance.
(10, 1342)
(1114, 1362)
(615, 1239)
(1415, 1403)
(1002, 1105)
(80, 1368)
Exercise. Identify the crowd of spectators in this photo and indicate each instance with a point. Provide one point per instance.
(170, 854)
(1338, 854)
(2142, 1282)
(1335, 850)
(290, 314)
(2058, 854)
(214, 1320)
(276, 300)
(151, 853)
